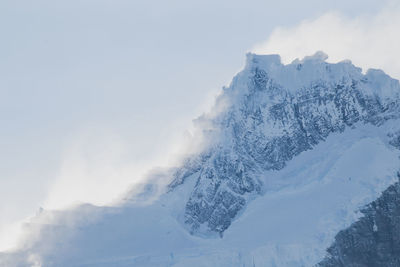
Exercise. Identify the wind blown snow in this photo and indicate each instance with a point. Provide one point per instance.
(367, 40)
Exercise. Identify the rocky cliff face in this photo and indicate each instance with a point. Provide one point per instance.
(274, 112)
(372, 241)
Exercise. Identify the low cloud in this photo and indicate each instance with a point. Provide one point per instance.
(369, 41)
(98, 166)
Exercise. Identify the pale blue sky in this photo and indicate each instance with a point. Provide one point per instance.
(131, 73)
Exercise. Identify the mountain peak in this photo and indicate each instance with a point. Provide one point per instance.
(276, 113)
(302, 73)
(262, 61)
(274, 60)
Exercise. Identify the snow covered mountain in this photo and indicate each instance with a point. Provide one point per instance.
(300, 169)
(275, 113)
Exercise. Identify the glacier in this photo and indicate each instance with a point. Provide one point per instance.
(293, 155)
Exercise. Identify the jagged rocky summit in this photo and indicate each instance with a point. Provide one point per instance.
(272, 113)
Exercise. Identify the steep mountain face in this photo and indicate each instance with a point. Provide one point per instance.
(276, 112)
(373, 240)
(293, 153)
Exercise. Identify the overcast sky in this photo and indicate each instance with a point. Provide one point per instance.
(93, 93)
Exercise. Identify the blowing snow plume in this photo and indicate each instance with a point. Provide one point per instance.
(370, 42)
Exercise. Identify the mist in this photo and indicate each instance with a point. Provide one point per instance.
(367, 40)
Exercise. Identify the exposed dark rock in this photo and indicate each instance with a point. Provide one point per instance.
(372, 241)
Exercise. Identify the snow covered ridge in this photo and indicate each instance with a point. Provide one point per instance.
(274, 113)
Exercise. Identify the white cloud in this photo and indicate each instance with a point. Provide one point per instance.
(369, 41)
(97, 167)
(8, 233)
